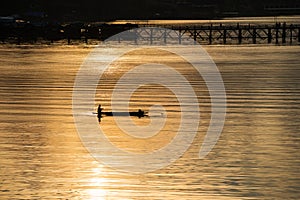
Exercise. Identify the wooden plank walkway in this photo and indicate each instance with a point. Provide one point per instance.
(226, 34)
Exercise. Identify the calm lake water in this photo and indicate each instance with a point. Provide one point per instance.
(256, 157)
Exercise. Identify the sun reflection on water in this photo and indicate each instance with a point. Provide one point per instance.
(95, 186)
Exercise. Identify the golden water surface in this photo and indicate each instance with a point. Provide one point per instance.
(256, 157)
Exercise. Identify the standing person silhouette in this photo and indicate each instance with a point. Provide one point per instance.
(99, 112)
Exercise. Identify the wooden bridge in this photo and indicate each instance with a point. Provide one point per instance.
(220, 34)
(279, 33)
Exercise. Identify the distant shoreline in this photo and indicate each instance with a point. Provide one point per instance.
(283, 29)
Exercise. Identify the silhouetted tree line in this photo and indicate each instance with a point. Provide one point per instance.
(26, 32)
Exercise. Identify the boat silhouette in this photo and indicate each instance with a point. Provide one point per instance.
(100, 113)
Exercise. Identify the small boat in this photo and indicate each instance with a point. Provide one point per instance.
(140, 113)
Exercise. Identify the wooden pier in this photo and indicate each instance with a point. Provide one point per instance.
(278, 33)
(222, 34)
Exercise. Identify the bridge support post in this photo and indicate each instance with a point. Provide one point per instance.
(195, 35)
(210, 35)
(291, 34)
(284, 33)
(254, 36)
(269, 35)
(224, 36)
(240, 36)
(179, 36)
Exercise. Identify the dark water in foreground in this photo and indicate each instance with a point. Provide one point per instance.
(256, 157)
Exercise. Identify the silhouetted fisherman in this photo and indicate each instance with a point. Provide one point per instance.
(99, 112)
(140, 113)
